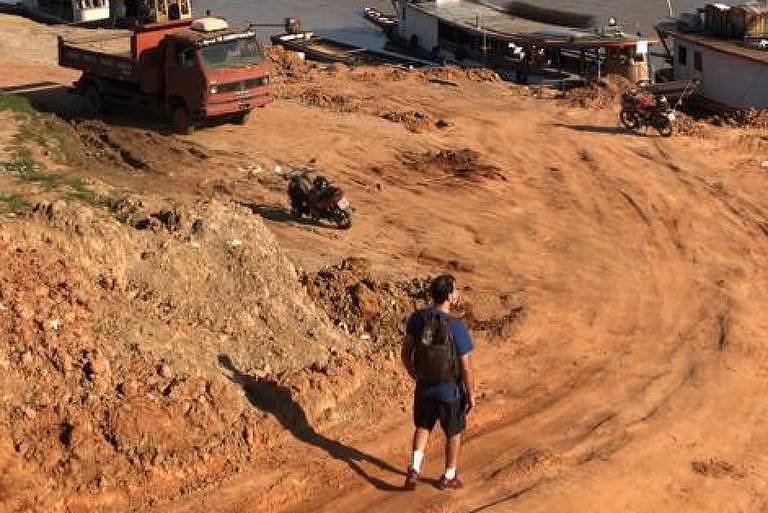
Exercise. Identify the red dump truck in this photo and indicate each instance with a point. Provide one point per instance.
(193, 71)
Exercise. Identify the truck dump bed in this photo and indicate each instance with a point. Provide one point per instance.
(110, 55)
(131, 56)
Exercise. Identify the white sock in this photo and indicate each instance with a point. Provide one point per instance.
(450, 473)
(416, 459)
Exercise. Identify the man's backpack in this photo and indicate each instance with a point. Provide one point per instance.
(434, 355)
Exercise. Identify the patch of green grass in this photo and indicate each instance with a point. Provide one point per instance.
(14, 204)
(51, 134)
(24, 166)
(44, 130)
(16, 103)
(55, 137)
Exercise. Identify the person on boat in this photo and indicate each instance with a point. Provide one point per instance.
(436, 353)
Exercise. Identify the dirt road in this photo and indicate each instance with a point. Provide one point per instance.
(635, 380)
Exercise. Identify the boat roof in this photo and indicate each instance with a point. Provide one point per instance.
(465, 15)
(731, 47)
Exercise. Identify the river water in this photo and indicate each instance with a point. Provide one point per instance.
(343, 20)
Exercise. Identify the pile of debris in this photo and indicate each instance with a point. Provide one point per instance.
(376, 310)
(413, 120)
(602, 94)
(111, 342)
(364, 306)
(464, 164)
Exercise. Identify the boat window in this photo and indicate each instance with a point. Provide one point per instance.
(697, 64)
(232, 54)
(682, 55)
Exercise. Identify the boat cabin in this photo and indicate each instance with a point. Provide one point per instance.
(489, 35)
(151, 11)
(121, 13)
(68, 11)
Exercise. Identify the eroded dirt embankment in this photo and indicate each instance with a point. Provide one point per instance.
(117, 343)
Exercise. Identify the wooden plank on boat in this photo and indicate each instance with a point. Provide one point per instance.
(322, 49)
(379, 18)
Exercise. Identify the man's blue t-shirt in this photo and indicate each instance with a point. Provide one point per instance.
(449, 390)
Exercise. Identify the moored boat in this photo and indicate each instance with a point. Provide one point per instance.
(379, 18)
(321, 49)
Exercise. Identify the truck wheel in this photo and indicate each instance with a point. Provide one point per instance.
(94, 104)
(242, 118)
(181, 121)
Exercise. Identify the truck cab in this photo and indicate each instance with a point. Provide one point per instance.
(213, 73)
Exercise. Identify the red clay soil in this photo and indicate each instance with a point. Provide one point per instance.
(616, 282)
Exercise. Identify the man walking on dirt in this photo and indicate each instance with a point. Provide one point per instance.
(436, 353)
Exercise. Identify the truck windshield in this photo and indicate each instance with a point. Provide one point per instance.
(233, 54)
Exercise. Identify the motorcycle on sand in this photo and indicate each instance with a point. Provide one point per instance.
(640, 110)
(319, 199)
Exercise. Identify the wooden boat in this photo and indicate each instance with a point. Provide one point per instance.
(321, 49)
(675, 89)
(380, 19)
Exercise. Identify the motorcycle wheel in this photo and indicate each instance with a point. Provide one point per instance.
(343, 219)
(664, 126)
(295, 209)
(630, 119)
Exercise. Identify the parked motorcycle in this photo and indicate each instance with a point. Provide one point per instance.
(319, 200)
(640, 110)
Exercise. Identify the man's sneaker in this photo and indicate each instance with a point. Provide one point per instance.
(411, 480)
(450, 484)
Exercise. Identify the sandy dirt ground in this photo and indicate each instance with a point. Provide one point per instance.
(635, 379)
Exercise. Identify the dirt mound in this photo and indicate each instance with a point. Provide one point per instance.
(602, 94)
(97, 144)
(318, 97)
(716, 468)
(286, 65)
(456, 74)
(750, 118)
(135, 148)
(363, 305)
(755, 119)
(462, 164)
(376, 309)
(111, 342)
(413, 120)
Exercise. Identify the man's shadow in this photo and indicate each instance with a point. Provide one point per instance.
(273, 398)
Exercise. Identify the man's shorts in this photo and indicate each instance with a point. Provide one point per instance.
(427, 411)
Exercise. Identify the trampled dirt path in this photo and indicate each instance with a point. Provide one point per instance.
(630, 384)
(636, 380)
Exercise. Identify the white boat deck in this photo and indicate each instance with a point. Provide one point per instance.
(477, 16)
